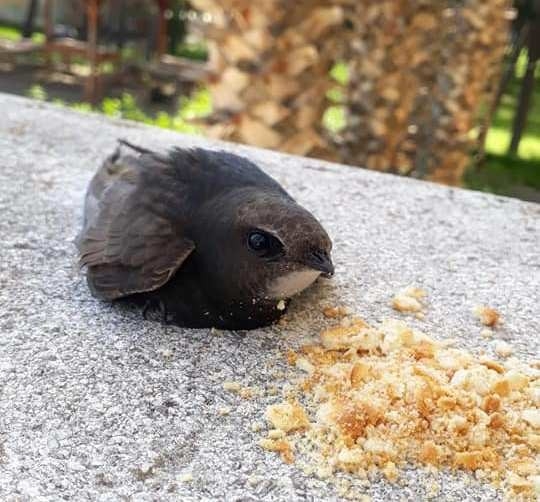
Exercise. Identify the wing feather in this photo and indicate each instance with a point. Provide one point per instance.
(132, 238)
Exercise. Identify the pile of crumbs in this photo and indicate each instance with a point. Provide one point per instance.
(379, 398)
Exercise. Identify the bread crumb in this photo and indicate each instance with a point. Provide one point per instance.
(409, 300)
(224, 410)
(287, 416)
(232, 386)
(390, 472)
(166, 353)
(281, 305)
(503, 349)
(281, 446)
(276, 434)
(257, 427)
(254, 480)
(487, 315)
(186, 478)
(404, 303)
(335, 312)
(433, 488)
(486, 333)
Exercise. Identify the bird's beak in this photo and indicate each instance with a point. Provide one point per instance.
(319, 260)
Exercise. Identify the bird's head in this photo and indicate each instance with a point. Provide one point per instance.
(267, 245)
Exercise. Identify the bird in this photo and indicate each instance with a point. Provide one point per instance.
(205, 237)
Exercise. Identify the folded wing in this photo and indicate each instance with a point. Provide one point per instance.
(132, 238)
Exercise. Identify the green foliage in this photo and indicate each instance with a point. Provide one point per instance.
(10, 33)
(14, 34)
(196, 51)
(80, 107)
(37, 92)
(335, 116)
(340, 73)
(189, 109)
(125, 107)
(334, 119)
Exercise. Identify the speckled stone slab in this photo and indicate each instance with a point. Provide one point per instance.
(97, 404)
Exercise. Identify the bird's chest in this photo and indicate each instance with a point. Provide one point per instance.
(291, 283)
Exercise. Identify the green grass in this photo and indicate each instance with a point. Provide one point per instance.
(196, 51)
(197, 106)
(14, 34)
(505, 175)
(498, 137)
(501, 172)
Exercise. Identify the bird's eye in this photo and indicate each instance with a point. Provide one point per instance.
(264, 244)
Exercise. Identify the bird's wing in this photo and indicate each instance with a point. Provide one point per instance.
(132, 239)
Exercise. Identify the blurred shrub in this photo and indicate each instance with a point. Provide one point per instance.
(190, 109)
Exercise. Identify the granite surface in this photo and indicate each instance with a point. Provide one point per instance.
(98, 404)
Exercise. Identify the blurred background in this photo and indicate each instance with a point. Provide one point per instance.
(444, 90)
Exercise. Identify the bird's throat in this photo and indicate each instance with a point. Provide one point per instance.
(292, 283)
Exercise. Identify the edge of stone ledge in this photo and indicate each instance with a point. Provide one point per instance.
(322, 165)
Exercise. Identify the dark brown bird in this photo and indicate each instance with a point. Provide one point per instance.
(206, 236)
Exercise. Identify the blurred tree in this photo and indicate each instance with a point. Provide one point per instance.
(529, 15)
(419, 75)
(177, 24)
(28, 27)
(421, 72)
(271, 63)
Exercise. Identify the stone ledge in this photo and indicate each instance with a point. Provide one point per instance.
(96, 404)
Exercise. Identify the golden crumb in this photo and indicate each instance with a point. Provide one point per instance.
(486, 333)
(281, 446)
(503, 349)
(430, 453)
(276, 434)
(487, 315)
(287, 416)
(492, 365)
(232, 386)
(186, 478)
(292, 357)
(224, 410)
(404, 303)
(335, 312)
(390, 472)
(409, 300)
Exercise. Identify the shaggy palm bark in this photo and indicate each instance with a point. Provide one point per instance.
(271, 63)
(419, 75)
